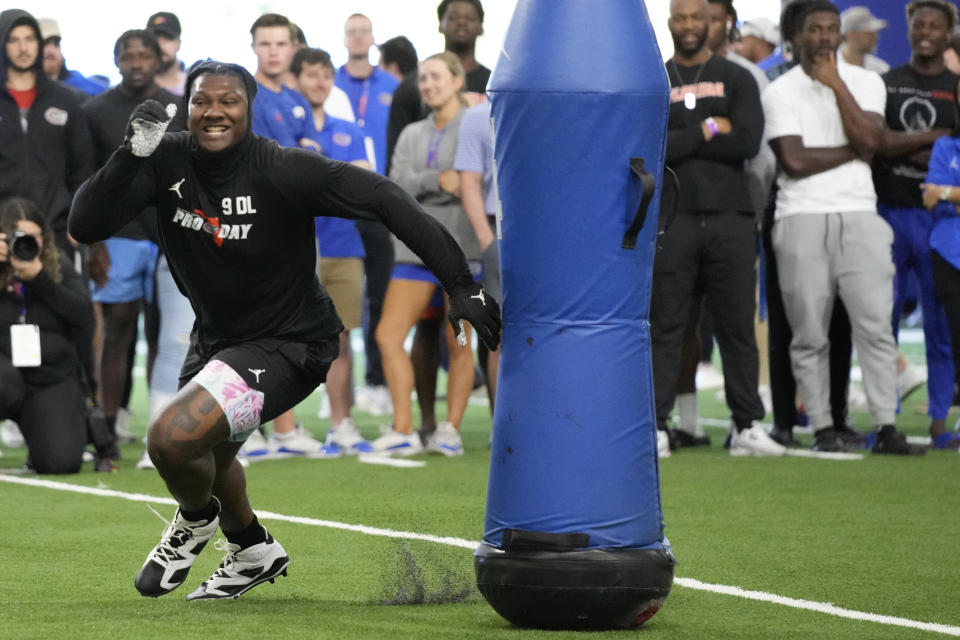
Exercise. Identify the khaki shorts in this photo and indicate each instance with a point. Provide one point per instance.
(343, 280)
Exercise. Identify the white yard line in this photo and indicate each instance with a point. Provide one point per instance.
(689, 583)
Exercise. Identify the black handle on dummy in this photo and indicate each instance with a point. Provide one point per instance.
(649, 185)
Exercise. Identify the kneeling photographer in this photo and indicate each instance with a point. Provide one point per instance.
(45, 310)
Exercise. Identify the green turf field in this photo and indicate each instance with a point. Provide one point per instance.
(873, 536)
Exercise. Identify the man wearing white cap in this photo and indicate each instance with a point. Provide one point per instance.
(55, 67)
(860, 28)
(759, 38)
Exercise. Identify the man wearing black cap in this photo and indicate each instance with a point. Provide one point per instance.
(166, 27)
(235, 219)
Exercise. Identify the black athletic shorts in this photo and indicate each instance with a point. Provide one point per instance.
(256, 381)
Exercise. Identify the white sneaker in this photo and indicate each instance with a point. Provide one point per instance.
(663, 444)
(145, 462)
(254, 448)
(754, 442)
(393, 443)
(299, 443)
(910, 379)
(122, 427)
(446, 440)
(166, 567)
(375, 400)
(347, 438)
(10, 434)
(243, 569)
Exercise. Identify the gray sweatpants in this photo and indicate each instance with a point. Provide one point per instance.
(820, 257)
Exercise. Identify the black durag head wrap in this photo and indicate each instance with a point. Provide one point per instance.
(218, 167)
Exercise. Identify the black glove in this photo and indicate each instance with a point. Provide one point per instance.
(146, 126)
(481, 311)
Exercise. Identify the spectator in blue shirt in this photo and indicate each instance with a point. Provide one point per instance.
(278, 111)
(370, 90)
(340, 267)
(282, 114)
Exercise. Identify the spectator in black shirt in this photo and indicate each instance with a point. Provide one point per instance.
(123, 266)
(230, 205)
(398, 57)
(715, 124)
(921, 107)
(42, 294)
(44, 139)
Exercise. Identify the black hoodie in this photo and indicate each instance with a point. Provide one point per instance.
(55, 155)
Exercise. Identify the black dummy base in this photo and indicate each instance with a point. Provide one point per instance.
(589, 589)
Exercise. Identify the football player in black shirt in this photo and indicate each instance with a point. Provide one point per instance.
(235, 219)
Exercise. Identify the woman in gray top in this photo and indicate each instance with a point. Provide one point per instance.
(423, 165)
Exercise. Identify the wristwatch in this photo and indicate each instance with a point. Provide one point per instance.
(945, 193)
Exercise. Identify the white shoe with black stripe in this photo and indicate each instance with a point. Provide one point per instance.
(243, 569)
(167, 566)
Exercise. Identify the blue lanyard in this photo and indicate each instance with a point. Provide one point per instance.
(433, 147)
(363, 102)
(20, 290)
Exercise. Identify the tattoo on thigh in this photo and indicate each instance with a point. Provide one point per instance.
(197, 417)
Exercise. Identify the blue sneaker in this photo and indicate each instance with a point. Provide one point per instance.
(346, 437)
(299, 443)
(254, 448)
(446, 440)
(394, 443)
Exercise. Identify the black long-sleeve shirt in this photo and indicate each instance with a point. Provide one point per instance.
(711, 174)
(239, 233)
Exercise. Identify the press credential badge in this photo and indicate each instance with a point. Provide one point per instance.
(25, 345)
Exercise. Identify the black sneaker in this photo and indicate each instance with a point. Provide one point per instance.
(168, 564)
(851, 437)
(104, 464)
(683, 439)
(243, 569)
(828, 440)
(893, 442)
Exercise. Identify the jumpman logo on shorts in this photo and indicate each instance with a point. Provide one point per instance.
(480, 297)
(257, 373)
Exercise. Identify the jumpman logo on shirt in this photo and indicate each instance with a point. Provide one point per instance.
(257, 373)
(176, 187)
(480, 297)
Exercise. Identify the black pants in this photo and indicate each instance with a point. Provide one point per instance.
(714, 252)
(378, 262)
(783, 387)
(51, 417)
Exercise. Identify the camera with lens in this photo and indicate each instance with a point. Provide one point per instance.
(23, 246)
